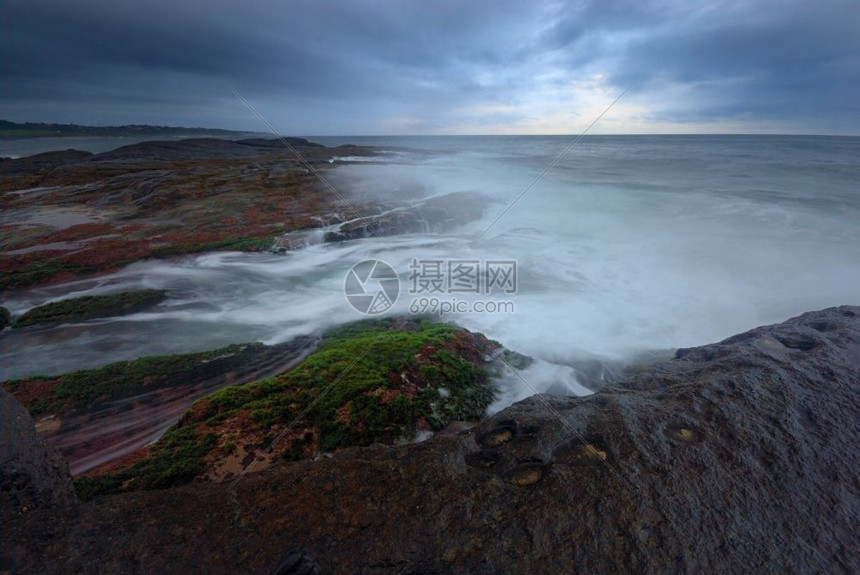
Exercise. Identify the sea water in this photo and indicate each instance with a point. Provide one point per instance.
(627, 245)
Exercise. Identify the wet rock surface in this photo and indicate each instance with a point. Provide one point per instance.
(66, 214)
(434, 215)
(71, 213)
(741, 456)
(93, 417)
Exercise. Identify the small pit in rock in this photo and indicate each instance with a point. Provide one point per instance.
(800, 342)
(683, 434)
(501, 432)
(527, 472)
(482, 459)
(592, 451)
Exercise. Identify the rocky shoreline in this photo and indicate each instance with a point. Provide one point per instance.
(94, 417)
(736, 456)
(71, 213)
(413, 377)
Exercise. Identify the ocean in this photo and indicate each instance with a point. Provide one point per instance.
(628, 247)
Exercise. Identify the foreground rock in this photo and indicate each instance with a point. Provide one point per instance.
(32, 475)
(741, 456)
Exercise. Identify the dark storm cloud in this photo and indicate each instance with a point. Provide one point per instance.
(329, 67)
(273, 50)
(766, 59)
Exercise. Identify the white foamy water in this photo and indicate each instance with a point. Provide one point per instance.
(629, 244)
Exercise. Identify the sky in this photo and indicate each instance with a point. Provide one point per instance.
(325, 67)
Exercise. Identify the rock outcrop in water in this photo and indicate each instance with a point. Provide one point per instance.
(741, 456)
(74, 213)
(434, 215)
(90, 307)
(70, 213)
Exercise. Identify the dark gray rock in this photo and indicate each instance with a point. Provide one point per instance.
(737, 456)
(40, 164)
(298, 561)
(434, 215)
(175, 150)
(32, 475)
(277, 142)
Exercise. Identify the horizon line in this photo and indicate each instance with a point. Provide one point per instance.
(419, 135)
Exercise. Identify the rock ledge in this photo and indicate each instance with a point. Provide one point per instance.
(741, 456)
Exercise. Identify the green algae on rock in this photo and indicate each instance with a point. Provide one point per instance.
(81, 412)
(89, 388)
(91, 307)
(369, 382)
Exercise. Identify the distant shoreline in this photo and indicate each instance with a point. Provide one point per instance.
(15, 131)
(20, 147)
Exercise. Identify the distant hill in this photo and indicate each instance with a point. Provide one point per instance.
(10, 130)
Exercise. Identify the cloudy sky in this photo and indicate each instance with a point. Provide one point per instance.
(326, 67)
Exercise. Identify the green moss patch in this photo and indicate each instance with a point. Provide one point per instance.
(179, 458)
(85, 389)
(90, 307)
(375, 381)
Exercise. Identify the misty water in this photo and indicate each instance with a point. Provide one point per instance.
(628, 246)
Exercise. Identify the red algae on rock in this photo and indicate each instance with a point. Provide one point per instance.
(154, 199)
